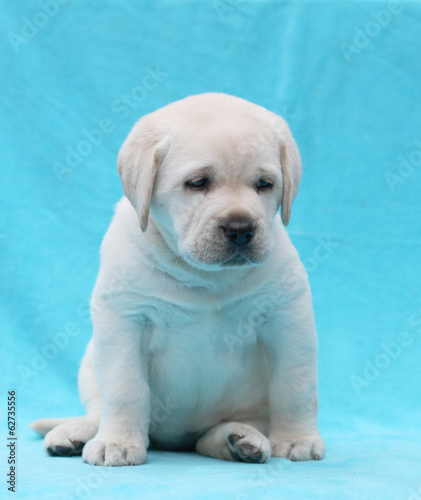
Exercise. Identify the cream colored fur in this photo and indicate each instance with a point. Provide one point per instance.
(197, 343)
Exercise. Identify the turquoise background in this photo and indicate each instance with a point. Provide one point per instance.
(353, 102)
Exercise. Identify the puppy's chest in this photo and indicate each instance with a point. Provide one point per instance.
(209, 330)
(204, 359)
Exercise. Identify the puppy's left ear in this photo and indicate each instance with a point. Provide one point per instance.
(291, 169)
(138, 161)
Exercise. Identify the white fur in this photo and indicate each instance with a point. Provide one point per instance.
(197, 344)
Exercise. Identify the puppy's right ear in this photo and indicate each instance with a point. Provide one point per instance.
(138, 161)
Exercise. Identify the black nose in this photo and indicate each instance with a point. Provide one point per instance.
(239, 231)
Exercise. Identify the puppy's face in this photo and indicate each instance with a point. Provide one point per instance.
(218, 191)
(222, 170)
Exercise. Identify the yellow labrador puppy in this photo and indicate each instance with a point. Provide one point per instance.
(204, 335)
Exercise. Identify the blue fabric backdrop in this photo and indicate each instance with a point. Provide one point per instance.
(76, 75)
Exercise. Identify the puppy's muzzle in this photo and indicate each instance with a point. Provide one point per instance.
(239, 231)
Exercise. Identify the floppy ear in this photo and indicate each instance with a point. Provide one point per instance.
(291, 172)
(138, 162)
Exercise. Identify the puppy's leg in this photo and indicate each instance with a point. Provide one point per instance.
(235, 441)
(70, 437)
(122, 437)
(291, 344)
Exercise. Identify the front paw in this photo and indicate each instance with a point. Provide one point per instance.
(106, 452)
(304, 447)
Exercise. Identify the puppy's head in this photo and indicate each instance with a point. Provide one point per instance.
(213, 171)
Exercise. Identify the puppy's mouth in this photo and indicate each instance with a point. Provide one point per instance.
(236, 260)
(216, 253)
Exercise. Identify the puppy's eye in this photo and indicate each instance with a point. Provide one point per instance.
(262, 184)
(199, 183)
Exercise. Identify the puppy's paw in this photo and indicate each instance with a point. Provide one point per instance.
(69, 438)
(249, 445)
(112, 453)
(305, 447)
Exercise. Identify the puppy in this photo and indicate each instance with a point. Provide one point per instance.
(203, 327)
